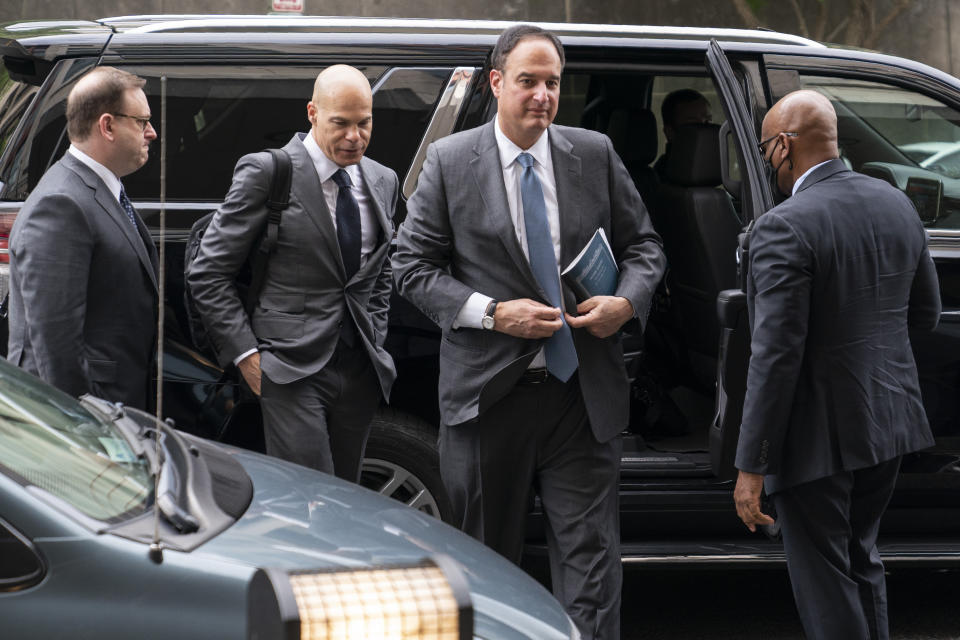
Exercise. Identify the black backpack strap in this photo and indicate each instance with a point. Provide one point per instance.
(277, 200)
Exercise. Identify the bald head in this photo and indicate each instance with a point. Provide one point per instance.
(341, 113)
(801, 130)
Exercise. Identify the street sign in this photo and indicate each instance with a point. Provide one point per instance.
(287, 6)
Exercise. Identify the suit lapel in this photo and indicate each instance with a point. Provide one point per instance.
(116, 215)
(306, 184)
(488, 173)
(567, 174)
(375, 184)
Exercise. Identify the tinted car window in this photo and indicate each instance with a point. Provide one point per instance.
(49, 441)
(14, 98)
(902, 136)
(214, 116)
(403, 103)
(217, 114)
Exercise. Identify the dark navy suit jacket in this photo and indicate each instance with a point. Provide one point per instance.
(838, 272)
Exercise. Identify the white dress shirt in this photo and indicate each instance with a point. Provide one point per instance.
(471, 313)
(109, 177)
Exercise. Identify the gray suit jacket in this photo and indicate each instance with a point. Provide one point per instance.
(459, 238)
(83, 288)
(838, 273)
(305, 295)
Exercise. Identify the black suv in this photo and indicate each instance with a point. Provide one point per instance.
(239, 84)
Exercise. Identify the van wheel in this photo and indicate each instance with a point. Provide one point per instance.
(402, 462)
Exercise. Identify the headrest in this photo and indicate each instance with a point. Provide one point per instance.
(694, 158)
(633, 131)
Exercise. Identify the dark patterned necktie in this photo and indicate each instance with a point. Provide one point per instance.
(128, 208)
(560, 353)
(348, 223)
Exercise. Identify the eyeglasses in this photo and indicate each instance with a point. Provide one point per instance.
(789, 134)
(143, 122)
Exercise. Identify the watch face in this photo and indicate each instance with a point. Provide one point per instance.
(487, 322)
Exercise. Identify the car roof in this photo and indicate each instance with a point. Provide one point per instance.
(192, 22)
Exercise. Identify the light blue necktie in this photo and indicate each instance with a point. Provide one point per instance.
(559, 350)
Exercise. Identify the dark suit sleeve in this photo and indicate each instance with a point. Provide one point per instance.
(925, 308)
(781, 274)
(53, 252)
(424, 249)
(226, 245)
(636, 246)
(379, 304)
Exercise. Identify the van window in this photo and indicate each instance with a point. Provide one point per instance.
(904, 137)
(216, 114)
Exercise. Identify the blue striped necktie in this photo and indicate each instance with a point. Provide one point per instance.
(559, 350)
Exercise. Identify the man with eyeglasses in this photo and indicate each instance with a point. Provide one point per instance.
(83, 269)
(838, 274)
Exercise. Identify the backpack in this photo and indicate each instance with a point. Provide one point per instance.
(249, 279)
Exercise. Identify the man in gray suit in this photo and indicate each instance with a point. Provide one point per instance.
(532, 385)
(838, 272)
(83, 270)
(313, 347)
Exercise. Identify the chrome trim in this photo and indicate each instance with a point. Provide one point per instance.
(442, 122)
(154, 23)
(779, 558)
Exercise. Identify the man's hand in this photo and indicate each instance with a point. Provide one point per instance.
(525, 318)
(602, 316)
(746, 496)
(250, 370)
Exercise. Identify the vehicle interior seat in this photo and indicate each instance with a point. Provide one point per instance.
(633, 131)
(699, 231)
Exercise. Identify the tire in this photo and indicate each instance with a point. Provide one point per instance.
(402, 462)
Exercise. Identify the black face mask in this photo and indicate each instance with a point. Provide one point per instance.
(771, 174)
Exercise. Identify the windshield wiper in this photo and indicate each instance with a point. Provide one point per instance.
(139, 429)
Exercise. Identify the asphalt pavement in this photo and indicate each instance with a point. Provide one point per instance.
(758, 604)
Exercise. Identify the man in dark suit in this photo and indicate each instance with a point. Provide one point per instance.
(838, 272)
(314, 343)
(532, 385)
(83, 270)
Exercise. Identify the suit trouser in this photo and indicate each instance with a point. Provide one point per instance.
(539, 435)
(322, 421)
(830, 531)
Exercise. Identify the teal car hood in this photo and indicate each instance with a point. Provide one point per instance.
(303, 519)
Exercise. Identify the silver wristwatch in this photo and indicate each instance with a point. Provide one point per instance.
(487, 320)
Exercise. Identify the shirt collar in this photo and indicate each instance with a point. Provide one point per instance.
(796, 185)
(324, 165)
(540, 150)
(109, 177)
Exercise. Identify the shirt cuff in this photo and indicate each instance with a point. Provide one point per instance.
(239, 358)
(471, 313)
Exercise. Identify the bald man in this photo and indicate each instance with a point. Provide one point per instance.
(838, 274)
(313, 345)
(83, 270)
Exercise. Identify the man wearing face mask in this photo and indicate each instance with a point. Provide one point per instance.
(838, 273)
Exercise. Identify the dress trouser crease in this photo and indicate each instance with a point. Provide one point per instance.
(322, 421)
(539, 436)
(830, 528)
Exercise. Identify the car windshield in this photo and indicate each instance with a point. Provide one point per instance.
(48, 440)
